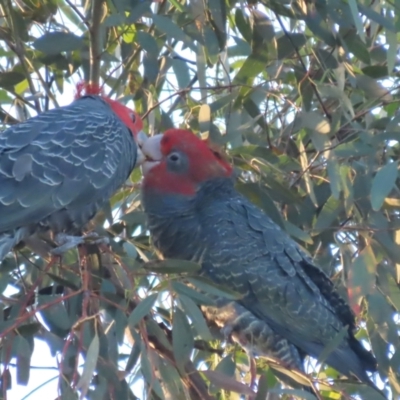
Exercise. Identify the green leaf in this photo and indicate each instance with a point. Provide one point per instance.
(153, 329)
(10, 78)
(149, 363)
(361, 276)
(166, 25)
(262, 388)
(306, 173)
(211, 45)
(56, 42)
(90, 365)
(288, 44)
(328, 214)
(141, 310)
(319, 128)
(296, 232)
(378, 310)
(333, 344)
(23, 359)
(196, 316)
(181, 72)
(218, 13)
(55, 315)
(243, 24)
(226, 382)
(319, 27)
(332, 167)
(148, 43)
(356, 18)
(253, 65)
(355, 45)
(195, 295)
(214, 289)
(182, 339)
(391, 39)
(372, 89)
(171, 266)
(382, 184)
(171, 378)
(135, 352)
(263, 25)
(205, 118)
(297, 393)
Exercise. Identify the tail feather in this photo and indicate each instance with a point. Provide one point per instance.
(9, 240)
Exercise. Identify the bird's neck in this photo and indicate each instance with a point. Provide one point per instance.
(176, 219)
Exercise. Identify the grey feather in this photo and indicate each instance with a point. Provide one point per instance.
(284, 295)
(60, 167)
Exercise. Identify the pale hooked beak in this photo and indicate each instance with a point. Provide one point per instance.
(141, 138)
(151, 150)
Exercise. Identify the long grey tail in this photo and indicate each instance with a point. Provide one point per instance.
(9, 240)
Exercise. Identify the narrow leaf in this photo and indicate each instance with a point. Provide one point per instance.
(205, 118)
(382, 184)
(182, 339)
(333, 344)
(90, 365)
(212, 288)
(141, 310)
(195, 295)
(171, 266)
(194, 313)
(227, 382)
(56, 42)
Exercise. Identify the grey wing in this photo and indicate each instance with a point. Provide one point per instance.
(261, 262)
(61, 159)
(265, 265)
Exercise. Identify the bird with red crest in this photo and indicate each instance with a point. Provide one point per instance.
(287, 307)
(60, 167)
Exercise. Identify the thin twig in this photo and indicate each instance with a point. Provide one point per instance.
(78, 13)
(95, 41)
(314, 87)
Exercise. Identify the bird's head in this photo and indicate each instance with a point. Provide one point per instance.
(129, 117)
(177, 162)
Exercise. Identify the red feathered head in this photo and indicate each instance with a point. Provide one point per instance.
(129, 117)
(178, 161)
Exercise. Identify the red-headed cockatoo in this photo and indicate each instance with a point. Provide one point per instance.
(288, 306)
(60, 167)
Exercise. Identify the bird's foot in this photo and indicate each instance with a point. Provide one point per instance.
(68, 242)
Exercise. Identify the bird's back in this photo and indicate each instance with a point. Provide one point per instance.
(243, 249)
(58, 168)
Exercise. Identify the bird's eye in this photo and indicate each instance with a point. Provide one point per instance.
(133, 117)
(177, 162)
(174, 157)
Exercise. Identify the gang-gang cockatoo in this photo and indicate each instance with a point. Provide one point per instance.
(288, 306)
(60, 167)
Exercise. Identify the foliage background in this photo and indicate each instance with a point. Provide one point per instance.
(304, 97)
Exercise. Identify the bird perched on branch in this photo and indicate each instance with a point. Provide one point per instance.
(288, 306)
(60, 167)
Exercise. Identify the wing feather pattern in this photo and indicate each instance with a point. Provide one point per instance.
(66, 162)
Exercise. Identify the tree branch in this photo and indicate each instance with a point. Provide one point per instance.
(95, 40)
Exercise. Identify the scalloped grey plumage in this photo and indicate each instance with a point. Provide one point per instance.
(289, 307)
(60, 167)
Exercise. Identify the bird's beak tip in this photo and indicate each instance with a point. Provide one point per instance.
(141, 138)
